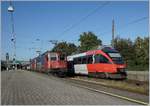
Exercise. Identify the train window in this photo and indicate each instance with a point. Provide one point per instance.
(104, 59)
(62, 57)
(53, 58)
(79, 60)
(90, 59)
(84, 60)
(101, 59)
(109, 50)
(75, 60)
(97, 58)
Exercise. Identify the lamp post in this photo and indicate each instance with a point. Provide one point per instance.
(13, 39)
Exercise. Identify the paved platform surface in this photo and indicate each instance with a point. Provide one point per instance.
(20, 87)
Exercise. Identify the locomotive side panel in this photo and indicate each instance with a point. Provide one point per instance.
(101, 67)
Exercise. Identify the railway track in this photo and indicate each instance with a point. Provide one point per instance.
(89, 87)
(105, 90)
(126, 85)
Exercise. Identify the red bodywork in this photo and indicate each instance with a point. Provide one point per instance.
(46, 64)
(58, 64)
(103, 67)
(33, 64)
(55, 64)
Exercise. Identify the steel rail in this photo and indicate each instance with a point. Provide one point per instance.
(110, 94)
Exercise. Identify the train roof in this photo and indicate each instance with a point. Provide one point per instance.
(43, 54)
(70, 58)
(104, 48)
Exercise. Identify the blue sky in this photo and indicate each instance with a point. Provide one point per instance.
(47, 20)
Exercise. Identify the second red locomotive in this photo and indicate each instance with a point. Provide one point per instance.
(49, 62)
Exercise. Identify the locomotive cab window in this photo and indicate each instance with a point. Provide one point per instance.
(101, 59)
(116, 57)
(62, 57)
(53, 58)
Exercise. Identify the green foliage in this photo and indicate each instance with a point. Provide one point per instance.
(136, 54)
(88, 40)
(142, 51)
(65, 48)
(125, 47)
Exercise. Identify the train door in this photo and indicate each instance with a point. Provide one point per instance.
(70, 68)
(101, 64)
(80, 65)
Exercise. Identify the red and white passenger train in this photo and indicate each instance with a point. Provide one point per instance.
(105, 62)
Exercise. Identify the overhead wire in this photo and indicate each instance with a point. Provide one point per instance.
(130, 23)
(85, 17)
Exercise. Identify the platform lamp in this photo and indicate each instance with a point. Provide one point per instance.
(11, 10)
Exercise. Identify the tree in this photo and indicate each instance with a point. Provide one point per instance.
(88, 40)
(146, 51)
(65, 48)
(126, 49)
(72, 48)
(142, 52)
(136, 54)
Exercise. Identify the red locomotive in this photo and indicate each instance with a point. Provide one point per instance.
(49, 62)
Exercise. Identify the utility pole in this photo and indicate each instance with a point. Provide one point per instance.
(113, 32)
(13, 39)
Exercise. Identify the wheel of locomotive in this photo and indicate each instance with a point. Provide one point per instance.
(61, 74)
(103, 75)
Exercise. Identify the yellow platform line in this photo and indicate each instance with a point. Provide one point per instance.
(111, 94)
